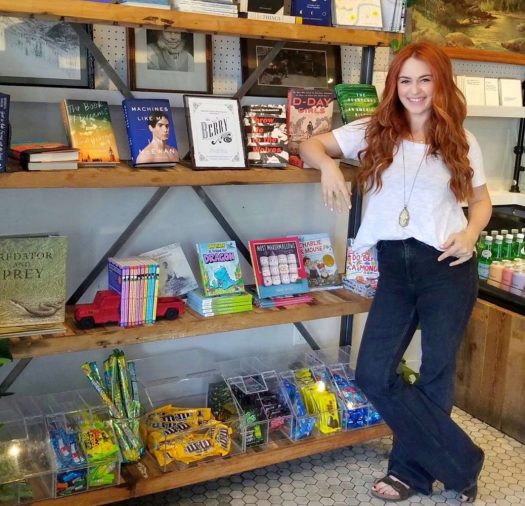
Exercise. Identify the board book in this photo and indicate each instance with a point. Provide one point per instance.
(278, 266)
(220, 268)
(319, 262)
(33, 280)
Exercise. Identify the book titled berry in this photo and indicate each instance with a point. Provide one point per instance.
(89, 129)
(278, 266)
(309, 113)
(151, 132)
(319, 262)
(220, 268)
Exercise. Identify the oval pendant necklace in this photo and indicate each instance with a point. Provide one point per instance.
(404, 215)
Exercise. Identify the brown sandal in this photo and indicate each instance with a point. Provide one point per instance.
(403, 491)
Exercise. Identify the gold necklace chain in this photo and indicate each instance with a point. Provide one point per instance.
(404, 215)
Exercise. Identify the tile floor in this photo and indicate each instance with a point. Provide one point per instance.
(343, 477)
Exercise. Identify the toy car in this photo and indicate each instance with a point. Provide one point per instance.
(105, 308)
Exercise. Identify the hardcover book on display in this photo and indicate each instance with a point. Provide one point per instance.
(313, 12)
(4, 130)
(89, 129)
(278, 266)
(151, 132)
(356, 100)
(309, 113)
(357, 13)
(175, 275)
(361, 273)
(220, 268)
(266, 135)
(319, 262)
(33, 273)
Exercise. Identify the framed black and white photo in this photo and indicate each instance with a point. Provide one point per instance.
(161, 60)
(296, 65)
(215, 132)
(43, 53)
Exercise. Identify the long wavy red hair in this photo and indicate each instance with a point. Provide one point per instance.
(443, 131)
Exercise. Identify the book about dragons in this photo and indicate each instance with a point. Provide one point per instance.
(266, 135)
(278, 266)
(220, 268)
(319, 262)
(33, 280)
(175, 276)
(151, 132)
(89, 129)
(309, 113)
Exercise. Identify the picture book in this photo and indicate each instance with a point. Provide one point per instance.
(151, 132)
(220, 268)
(356, 100)
(319, 262)
(361, 273)
(89, 129)
(4, 130)
(309, 113)
(175, 275)
(33, 280)
(278, 266)
(357, 13)
(266, 135)
(313, 12)
(43, 152)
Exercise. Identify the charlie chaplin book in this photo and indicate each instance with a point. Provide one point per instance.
(89, 129)
(151, 133)
(33, 280)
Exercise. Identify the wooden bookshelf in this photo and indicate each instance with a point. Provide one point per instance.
(326, 304)
(182, 175)
(82, 11)
(277, 451)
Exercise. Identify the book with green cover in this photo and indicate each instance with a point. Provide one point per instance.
(356, 100)
(33, 280)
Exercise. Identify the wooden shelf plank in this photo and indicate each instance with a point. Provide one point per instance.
(93, 12)
(181, 175)
(326, 304)
(218, 468)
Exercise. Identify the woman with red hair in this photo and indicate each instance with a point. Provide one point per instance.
(418, 164)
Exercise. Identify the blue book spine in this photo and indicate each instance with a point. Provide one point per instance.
(139, 115)
(317, 12)
(4, 130)
(115, 276)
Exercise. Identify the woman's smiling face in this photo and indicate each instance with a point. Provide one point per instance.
(415, 87)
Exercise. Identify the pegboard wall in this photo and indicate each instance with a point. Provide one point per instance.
(227, 72)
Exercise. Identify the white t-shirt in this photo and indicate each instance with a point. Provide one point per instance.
(434, 210)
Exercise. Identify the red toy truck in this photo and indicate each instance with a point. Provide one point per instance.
(105, 308)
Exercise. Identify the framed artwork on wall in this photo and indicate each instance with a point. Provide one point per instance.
(161, 60)
(215, 132)
(296, 65)
(43, 53)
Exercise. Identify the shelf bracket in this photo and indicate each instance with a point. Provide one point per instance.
(14, 374)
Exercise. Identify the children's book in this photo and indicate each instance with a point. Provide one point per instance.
(33, 274)
(357, 13)
(197, 298)
(151, 132)
(88, 128)
(319, 262)
(309, 113)
(362, 273)
(278, 266)
(313, 12)
(175, 277)
(220, 268)
(4, 130)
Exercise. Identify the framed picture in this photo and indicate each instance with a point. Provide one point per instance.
(43, 53)
(484, 32)
(297, 64)
(161, 60)
(215, 131)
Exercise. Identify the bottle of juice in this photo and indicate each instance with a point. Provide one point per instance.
(519, 251)
(497, 248)
(508, 248)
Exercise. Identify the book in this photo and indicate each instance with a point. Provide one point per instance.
(89, 129)
(356, 100)
(264, 6)
(309, 113)
(33, 280)
(43, 152)
(175, 275)
(313, 12)
(266, 135)
(278, 266)
(150, 131)
(65, 165)
(279, 301)
(4, 130)
(207, 313)
(510, 92)
(475, 90)
(357, 13)
(157, 4)
(198, 299)
(361, 271)
(319, 262)
(220, 268)
(491, 91)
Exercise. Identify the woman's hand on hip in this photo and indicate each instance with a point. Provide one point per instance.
(459, 245)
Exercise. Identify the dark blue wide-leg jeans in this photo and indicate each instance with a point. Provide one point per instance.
(415, 288)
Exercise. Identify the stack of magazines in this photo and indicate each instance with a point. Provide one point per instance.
(219, 304)
(279, 301)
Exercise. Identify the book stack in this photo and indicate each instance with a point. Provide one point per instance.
(45, 156)
(136, 279)
(158, 4)
(356, 100)
(220, 304)
(362, 273)
(227, 8)
(279, 301)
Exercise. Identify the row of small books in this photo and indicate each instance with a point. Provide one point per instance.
(491, 91)
(136, 279)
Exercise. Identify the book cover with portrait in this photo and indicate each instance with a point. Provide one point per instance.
(151, 132)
